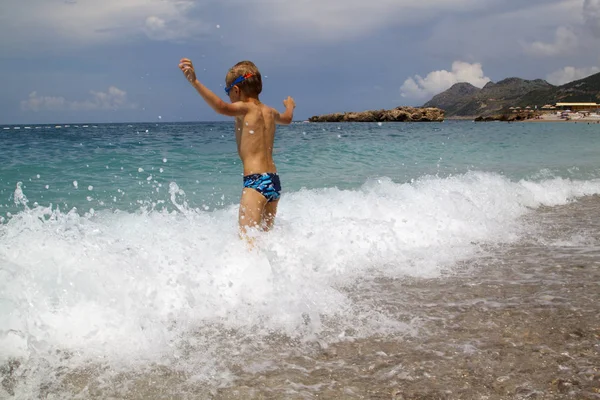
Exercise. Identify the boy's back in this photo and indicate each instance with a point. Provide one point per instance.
(255, 136)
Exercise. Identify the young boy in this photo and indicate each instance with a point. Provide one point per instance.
(254, 134)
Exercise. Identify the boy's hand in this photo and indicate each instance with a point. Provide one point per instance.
(289, 103)
(187, 67)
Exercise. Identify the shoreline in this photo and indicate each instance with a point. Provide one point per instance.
(544, 118)
(554, 118)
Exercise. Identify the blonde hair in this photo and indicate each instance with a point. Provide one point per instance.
(251, 86)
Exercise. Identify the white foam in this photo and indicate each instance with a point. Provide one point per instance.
(133, 285)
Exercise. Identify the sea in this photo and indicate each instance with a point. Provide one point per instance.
(407, 260)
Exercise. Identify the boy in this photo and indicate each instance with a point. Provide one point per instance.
(254, 134)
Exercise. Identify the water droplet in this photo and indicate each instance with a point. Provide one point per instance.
(38, 176)
(161, 170)
(164, 160)
(90, 188)
(140, 169)
(252, 132)
(218, 26)
(47, 186)
(75, 184)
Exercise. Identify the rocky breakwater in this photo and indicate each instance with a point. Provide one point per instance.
(398, 114)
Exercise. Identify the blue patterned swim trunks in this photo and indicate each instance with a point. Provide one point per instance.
(267, 184)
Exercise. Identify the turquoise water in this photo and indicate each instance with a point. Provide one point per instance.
(119, 245)
(121, 167)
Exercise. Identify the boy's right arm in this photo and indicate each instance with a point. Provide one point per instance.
(287, 117)
(229, 109)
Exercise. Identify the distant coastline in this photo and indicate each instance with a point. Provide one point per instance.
(516, 99)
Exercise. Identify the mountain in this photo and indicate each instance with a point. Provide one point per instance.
(455, 98)
(586, 90)
(464, 99)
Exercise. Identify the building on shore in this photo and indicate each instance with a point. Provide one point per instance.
(588, 107)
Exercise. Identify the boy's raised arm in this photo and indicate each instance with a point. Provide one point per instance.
(231, 110)
(287, 117)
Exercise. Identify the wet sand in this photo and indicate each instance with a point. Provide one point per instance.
(523, 323)
(520, 322)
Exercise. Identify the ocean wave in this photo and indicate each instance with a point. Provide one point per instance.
(132, 285)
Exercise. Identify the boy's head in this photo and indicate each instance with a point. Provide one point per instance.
(247, 76)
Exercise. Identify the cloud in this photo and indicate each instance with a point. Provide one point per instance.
(91, 22)
(113, 99)
(500, 34)
(437, 81)
(591, 16)
(565, 42)
(36, 103)
(570, 74)
(338, 20)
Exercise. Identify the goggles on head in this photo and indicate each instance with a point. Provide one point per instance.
(239, 80)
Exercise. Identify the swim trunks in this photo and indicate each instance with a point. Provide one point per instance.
(267, 184)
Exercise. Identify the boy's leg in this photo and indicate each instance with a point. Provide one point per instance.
(252, 205)
(269, 214)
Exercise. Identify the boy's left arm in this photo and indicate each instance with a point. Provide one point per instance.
(221, 107)
(287, 117)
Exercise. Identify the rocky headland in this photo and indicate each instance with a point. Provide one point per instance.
(398, 114)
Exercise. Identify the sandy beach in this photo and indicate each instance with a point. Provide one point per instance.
(556, 118)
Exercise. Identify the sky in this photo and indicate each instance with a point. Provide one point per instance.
(76, 61)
